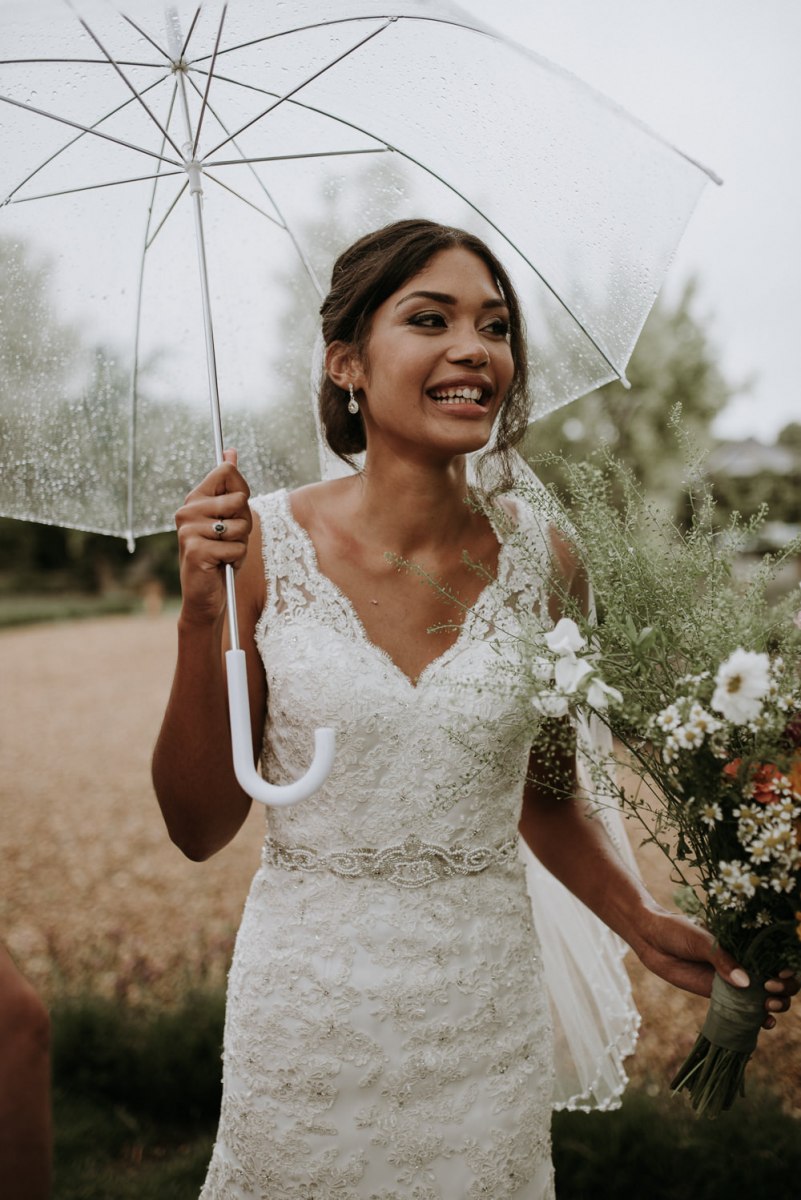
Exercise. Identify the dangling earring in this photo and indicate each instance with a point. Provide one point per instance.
(353, 403)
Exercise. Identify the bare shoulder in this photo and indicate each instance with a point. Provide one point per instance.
(315, 503)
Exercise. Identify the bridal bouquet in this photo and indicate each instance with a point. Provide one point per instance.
(696, 675)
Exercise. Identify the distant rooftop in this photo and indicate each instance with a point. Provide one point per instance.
(751, 457)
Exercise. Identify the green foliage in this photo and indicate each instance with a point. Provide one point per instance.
(103, 1151)
(659, 1149)
(163, 1065)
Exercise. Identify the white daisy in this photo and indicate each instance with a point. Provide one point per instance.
(740, 686)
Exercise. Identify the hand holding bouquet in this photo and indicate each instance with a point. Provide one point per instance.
(696, 675)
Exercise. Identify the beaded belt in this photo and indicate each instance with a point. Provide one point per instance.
(412, 863)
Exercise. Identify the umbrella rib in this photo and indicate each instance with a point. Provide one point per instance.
(239, 162)
(91, 187)
(146, 36)
(235, 145)
(560, 300)
(185, 46)
(41, 112)
(163, 220)
(251, 87)
(134, 388)
(83, 62)
(345, 54)
(244, 199)
(282, 221)
(128, 84)
(209, 78)
(268, 37)
(77, 138)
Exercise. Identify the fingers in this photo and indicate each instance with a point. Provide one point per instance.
(214, 526)
(786, 983)
(225, 478)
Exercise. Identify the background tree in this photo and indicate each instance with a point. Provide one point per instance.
(674, 363)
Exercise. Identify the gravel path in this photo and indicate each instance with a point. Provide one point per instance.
(93, 892)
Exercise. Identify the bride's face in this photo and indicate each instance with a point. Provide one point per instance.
(438, 362)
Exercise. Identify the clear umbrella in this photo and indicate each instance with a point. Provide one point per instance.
(287, 129)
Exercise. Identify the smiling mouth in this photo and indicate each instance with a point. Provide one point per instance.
(460, 395)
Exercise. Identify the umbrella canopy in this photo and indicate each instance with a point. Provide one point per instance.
(306, 125)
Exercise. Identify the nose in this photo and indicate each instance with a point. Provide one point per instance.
(469, 349)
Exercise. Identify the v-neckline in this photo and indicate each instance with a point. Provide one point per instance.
(358, 623)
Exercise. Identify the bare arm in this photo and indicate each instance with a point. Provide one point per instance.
(202, 804)
(573, 846)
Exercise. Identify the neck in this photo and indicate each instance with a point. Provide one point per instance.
(407, 505)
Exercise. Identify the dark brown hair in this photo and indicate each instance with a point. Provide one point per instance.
(364, 276)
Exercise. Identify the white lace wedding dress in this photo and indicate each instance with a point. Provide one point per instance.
(387, 1031)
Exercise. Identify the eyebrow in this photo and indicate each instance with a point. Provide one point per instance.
(444, 298)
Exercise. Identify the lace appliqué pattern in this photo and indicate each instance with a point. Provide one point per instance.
(387, 1031)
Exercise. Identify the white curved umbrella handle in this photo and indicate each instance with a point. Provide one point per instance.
(242, 745)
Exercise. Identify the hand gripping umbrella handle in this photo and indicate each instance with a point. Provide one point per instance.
(242, 745)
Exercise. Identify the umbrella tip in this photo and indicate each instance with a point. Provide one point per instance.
(130, 542)
(626, 384)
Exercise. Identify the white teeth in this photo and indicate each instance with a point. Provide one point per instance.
(460, 395)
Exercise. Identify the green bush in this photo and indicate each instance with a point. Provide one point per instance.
(163, 1065)
(660, 1149)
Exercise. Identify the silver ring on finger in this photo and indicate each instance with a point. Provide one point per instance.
(219, 528)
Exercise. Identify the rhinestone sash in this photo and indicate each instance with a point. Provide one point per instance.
(412, 863)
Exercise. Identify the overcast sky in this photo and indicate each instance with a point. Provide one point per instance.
(721, 79)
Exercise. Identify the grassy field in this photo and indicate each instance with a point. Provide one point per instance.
(137, 1093)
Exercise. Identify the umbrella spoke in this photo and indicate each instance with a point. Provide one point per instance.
(185, 46)
(163, 221)
(209, 78)
(128, 84)
(146, 36)
(77, 138)
(260, 182)
(244, 199)
(91, 187)
(269, 37)
(560, 300)
(340, 57)
(81, 62)
(281, 221)
(149, 239)
(241, 162)
(108, 137)
(147, 242)
(252, 87)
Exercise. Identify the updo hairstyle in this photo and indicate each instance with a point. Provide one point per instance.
(364, 276)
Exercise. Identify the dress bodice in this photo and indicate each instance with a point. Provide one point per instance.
(441, 758)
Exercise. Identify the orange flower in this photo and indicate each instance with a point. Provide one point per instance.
(798, 927)
(765, 777)
(763, 783)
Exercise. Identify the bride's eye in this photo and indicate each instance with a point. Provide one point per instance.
(427, 320)
(499, 327)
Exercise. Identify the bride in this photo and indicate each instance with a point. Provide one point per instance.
(387, 1029)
